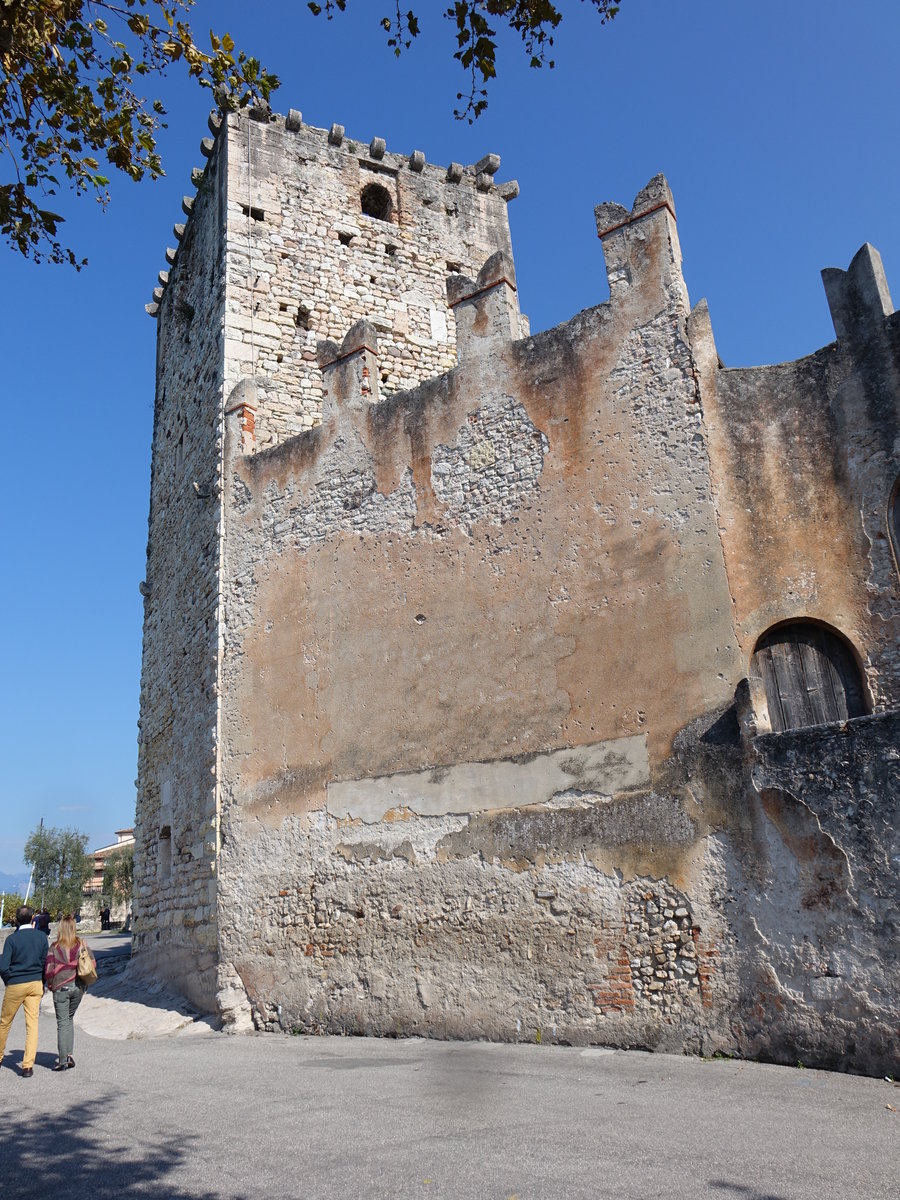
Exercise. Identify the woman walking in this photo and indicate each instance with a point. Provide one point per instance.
(60, 976)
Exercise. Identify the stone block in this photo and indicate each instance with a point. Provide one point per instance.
(488, 165)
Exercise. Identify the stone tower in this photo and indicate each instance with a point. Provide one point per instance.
(294, 235)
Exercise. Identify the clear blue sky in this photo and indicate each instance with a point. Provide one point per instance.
(777, 129)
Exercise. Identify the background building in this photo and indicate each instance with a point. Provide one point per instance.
(93, 892)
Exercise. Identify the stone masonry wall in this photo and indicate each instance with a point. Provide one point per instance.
(304, 261)
(176, 834)
(447, 697)
(831, 797)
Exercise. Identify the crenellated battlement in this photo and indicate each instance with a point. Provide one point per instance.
(319, 231)
(372, 156)
(859, 298)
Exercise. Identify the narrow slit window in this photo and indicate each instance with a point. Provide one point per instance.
(164, 854)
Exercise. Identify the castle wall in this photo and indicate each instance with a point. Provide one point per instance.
(805, 461)
(464, 627)
(822, 985)
(175, 928)
(805, 458)
(304, 261)
(450, 700)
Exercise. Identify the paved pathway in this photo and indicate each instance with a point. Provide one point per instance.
(191, 1113)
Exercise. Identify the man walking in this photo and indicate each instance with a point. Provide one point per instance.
(22, 970)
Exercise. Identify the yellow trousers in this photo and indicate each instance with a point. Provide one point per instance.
(14, 997)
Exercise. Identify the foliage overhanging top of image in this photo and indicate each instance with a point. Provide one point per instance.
(475, 28)
(69, 77)
(71, 70)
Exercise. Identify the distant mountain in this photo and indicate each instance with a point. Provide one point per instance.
(13, 883)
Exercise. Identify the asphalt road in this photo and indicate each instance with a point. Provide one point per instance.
(212, 1116)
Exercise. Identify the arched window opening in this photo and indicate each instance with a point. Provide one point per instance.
(810, 676)
(376, 202)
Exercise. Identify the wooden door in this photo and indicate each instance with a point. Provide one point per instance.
(810, 676)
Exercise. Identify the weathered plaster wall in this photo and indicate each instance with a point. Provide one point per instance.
(464, 627)
(827, 972)
(175, 899)
(805, 458)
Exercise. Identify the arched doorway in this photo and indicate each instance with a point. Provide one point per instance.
(894, 522)
(810, 676)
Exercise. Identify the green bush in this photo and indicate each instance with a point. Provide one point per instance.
(10, 904)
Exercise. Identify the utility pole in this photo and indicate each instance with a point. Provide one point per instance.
(31, 876)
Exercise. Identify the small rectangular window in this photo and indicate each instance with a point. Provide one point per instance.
(164, 854)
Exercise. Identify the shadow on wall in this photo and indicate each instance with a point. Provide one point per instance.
(97, 1167)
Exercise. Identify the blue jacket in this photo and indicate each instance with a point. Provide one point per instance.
(22, 960)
